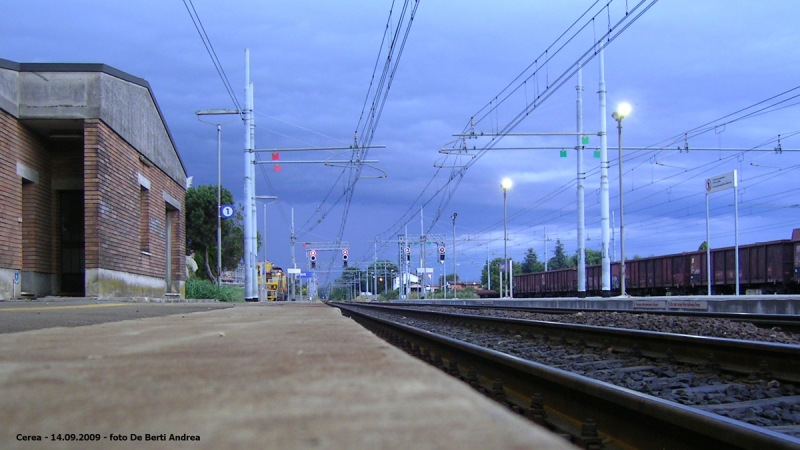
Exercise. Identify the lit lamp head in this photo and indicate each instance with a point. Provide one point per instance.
(506, 184)
(623, 109)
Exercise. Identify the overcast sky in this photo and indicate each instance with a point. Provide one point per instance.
(681, 65)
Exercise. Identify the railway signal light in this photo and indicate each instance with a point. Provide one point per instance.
(408, 254)
(313, 257)
(344, 257)
(441, 254)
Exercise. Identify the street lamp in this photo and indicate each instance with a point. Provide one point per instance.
(506, 185)
(263, 280)
(455, 266)
(623, 109)
(218, 112)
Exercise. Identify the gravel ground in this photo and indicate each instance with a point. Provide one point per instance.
(719, 328)
(704, 386)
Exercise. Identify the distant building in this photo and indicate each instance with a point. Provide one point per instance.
(461, 285)
(91, 185)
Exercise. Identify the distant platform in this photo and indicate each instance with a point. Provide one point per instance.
(752, 304)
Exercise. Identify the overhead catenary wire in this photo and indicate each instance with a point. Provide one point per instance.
(457, 175)
(198, 24)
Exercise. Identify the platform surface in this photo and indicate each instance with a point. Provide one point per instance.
(272, 376)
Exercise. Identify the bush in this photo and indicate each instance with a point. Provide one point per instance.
(197, 288)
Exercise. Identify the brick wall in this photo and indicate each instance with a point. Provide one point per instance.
(33, 234)
(11, 189)
(113, 219)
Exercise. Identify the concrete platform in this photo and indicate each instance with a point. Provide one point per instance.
(754, 304)
(273, 376)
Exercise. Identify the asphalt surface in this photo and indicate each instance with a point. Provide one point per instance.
(16, 316)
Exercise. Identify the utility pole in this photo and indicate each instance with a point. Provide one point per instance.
(581, 176)
(253, 207)
(214, 112)
(455, 266)
(545, 249)
(604, 165)
(263, 281)
(422, 243)
(407, 262)
(294, 261)
(249, 258)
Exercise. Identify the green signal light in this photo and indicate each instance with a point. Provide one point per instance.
(563, 153)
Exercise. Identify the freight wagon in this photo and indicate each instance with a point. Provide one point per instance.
(764, 268)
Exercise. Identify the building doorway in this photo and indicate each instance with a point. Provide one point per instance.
(73, 243)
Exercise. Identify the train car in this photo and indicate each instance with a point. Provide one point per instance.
(796, 243)
(764, 268)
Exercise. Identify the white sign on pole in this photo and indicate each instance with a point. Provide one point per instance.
(721, 182)
(424, 269)
(293, 271)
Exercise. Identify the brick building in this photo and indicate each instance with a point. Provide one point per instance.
(91, 185)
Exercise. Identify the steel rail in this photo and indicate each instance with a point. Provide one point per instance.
(732, 355)
(628, 418)
(786, 322)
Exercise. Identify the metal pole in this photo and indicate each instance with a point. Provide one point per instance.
(294, 261)
(736, 224)
(604, 165)
(422, 249)
(505, 237)
(621, 216)
(455, 266)
(613, 241)
(545, 249)
(708, 249)
(488, 270)
(264, 278)
(580, 177)
(375, 269)
(407, 265)
(248, 221)
(444, 277)
(253, 207)
(511, 279)
(219, 209)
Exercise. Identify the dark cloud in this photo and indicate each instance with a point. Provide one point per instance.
(683, 64)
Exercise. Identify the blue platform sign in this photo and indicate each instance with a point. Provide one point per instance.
(16, 277)
(226, 211)
(303, 275)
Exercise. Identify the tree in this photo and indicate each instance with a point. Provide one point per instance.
(201, 229)
(560, 260)
(383, 271)
(703, 246)
(531, 264)
(495, 272)
(352, 279)
(448, 279)
(593, 258)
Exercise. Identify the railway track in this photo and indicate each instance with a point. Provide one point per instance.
(611, 388)
(784, 322)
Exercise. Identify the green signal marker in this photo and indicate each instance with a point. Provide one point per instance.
(563, 153)
(597, 153)
(584, 140)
